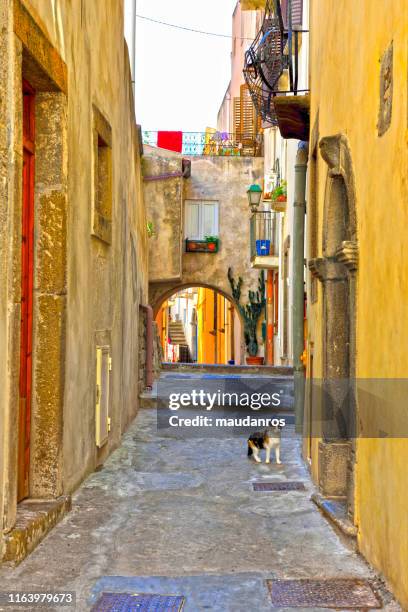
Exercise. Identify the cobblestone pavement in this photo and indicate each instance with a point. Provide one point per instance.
(179, 516)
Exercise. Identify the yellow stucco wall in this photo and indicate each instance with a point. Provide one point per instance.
(348, 40)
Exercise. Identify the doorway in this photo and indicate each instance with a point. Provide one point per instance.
(27, 278)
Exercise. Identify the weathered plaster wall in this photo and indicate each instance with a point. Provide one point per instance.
(164, 199)
(345, 87)
(226, 181)
(85, 289)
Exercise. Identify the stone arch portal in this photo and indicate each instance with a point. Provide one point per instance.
(228, 323)
(337, 272)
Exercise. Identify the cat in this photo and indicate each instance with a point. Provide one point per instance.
(268, 439)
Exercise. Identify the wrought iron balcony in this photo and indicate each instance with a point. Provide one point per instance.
(214, 143)
(272, 69)
(264, 239)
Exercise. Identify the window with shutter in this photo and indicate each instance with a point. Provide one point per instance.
(284, 11)
(201, 219)
(248, 118)
(236, 122)
(192, 220)
(297, 13)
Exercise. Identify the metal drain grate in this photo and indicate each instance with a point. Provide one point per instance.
(340, 593)
(279, 486)
(125, 602)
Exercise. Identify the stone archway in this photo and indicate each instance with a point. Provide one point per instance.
(337, 272)
(158, 298)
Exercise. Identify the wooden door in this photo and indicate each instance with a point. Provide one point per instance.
(27, 277)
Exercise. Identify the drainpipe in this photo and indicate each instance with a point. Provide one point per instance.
(299, 211)
(149, 346)
(269, 317)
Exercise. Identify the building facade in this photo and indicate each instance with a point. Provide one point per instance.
(355, 122)
(74, 261)
(357, 278)
(209, 200)
(274, 220)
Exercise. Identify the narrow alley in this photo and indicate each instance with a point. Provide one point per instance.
(203, 321)
(179, 516)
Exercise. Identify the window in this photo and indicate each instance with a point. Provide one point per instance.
(102, 207)
(201, 219)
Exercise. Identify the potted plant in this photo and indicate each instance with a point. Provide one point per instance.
(212, 243)
(208, 245)
(279, 197)
(251, 313)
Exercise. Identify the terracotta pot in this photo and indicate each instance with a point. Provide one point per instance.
(255, 361)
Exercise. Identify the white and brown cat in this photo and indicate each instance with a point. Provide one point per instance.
(268, 440)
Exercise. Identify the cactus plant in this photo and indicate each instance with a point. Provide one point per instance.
(251, 311)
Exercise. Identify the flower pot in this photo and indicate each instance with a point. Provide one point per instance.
(279, 205)
(263, 247)
(258, 361)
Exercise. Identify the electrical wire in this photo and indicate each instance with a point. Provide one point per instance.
(178, 27)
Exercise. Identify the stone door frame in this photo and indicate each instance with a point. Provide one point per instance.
(32, 57)
(337, 271)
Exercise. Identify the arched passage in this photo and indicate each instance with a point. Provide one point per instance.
(199, 324)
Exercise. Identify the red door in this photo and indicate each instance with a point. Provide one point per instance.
(27, 261)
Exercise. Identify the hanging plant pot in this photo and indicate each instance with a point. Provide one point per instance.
(279, 197)
(255, 361)
(279, 205)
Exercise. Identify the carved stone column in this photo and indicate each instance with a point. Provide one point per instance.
(337, 414)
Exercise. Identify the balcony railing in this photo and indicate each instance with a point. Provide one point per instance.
(272, 62)
(216, 144)
(264, 237)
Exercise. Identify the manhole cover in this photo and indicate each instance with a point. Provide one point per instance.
(279, 486)
(125, 602)
(337, 593)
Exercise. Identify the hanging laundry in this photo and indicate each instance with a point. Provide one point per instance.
(173, 141)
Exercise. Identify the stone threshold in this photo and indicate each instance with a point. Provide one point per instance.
(336, 512)
(35, 519)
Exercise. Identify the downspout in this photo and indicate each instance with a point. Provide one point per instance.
(269, 317)
(149, 346)
(299, 211)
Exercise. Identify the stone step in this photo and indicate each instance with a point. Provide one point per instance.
(35, 518)
(205, 368)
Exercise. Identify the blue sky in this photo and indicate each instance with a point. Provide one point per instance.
(181, 77)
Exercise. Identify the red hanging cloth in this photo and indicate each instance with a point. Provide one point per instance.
(172, 141)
